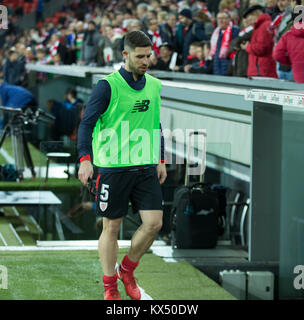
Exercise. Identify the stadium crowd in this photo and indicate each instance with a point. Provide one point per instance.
(247, 38)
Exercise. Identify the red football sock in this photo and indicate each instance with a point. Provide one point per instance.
(127, 265)
(109, 282)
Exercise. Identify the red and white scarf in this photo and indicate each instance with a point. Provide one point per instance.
(53, 50)
(227, 37)
(273, 28)
(246, 30)
(156, 41)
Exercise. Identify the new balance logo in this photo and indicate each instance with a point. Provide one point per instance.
(141, 106)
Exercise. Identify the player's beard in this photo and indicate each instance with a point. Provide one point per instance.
(135, 70)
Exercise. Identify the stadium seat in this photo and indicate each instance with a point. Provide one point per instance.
(238, 210)
(52, 155)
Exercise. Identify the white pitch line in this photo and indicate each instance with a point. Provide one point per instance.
(3, 240)
(7, 157)
(144, 295)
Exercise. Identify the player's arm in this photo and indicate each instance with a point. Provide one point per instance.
(97, 105)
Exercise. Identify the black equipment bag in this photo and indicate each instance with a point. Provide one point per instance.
(194, 215)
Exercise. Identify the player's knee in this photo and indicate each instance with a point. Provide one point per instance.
(154, 227)
(112, 229)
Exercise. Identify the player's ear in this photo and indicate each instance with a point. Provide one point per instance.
(125, 54)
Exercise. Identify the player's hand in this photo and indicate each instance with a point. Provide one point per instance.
(161, 172)
(85, 171)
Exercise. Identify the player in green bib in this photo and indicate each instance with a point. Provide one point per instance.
(126, 148)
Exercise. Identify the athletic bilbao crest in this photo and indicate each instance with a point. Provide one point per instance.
(103, 206)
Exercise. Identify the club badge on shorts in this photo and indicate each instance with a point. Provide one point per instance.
(104, 196)
(103, 206)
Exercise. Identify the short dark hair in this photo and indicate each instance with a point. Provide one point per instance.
(195, 44)
(206, 43)
(201, 45)
(136, 39)
(72, 92)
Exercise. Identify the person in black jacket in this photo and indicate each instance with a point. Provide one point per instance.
(205, 63)
(13, 70)
(163, 62)
(167, 30)
(239, 63)
(188, 32)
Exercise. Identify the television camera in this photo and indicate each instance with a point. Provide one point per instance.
(17, 119)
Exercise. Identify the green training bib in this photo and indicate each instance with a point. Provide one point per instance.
(128, 132)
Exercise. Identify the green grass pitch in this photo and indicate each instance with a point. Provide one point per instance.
(77, 275)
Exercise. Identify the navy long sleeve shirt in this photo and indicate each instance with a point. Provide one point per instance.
(97, 105)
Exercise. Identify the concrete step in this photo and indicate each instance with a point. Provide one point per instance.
(9, 236)
(20, 216)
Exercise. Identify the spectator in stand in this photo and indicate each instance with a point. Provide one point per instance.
(271, 6)
(191, 58)
(152, 14)
(163, 62)
(90, 44)
(50, 29)
(281, 25)
(260, 61)
(200, 6)
(220, 42)
(20, 49)
(154, 35)
(213, 6)
(29, 55)
(41, 59)
(289, 51)
(230, 7)
(279, 8)
(13, 70)
(239, 64)
(155, 4)
(56, 61)
(114, 41)
(167, 30)
(187, 32)
(203, 17)
(79, 39)
(142, 13)
(40, 55)
(70, 36)
(205, 63)
(54, 47)
(134, 25)
(285, 18)
(162, 17)
(117, 22)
